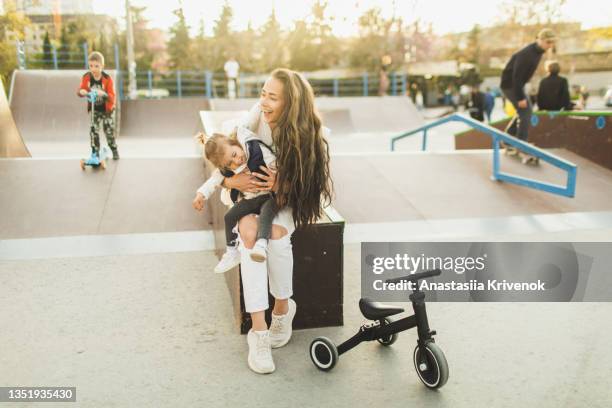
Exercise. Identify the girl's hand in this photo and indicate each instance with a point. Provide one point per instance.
(244, 182)
(269, 179)
(198, 202)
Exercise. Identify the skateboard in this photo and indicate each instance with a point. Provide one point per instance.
(516, 153)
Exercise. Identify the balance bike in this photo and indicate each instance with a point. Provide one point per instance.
(429, 360)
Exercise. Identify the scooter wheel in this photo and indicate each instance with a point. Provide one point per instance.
(388, 340)
(103, 164)
(323, 353)
(82, 164)
(432, 367)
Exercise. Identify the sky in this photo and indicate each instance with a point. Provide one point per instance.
(457, 16)
(445, 15)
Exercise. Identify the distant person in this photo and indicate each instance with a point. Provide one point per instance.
(383, 81)
(99, 81)
(489, 103)
(448, 96)
(553, 92)
(231, 69)
(516, 74)
(464, 94)
(420, 102)
(583, 97)
(476, 104)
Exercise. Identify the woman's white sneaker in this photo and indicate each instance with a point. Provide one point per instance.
(281, 326)
(260, 353)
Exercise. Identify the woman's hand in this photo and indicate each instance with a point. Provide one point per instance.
(269, 179)
(244, 182)
(198, 202)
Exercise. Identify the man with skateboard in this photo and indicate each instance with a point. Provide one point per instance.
(102, 84)
(516, 74)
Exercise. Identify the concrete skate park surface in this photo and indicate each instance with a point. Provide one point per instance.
(148, 326)
(149, 331)
(415, 186)
(46, 198)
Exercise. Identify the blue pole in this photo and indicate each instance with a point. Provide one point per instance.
(365, 84)
(54, 51)
(495, 157)
(424, 142)
(179, 90)
(335, 86)
(117, 66)
(208, 84)
(150, 81)
(393, 84)
(86, 57)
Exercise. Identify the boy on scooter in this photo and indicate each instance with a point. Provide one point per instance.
(99, 81)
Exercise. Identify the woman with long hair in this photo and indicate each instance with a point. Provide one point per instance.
(286, 116)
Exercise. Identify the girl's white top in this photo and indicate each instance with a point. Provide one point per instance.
(216, 178)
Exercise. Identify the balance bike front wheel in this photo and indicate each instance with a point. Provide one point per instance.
(431, 367)
(323, 353)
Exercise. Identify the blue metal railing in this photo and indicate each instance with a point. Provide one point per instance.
(157, 84)
(496, 135)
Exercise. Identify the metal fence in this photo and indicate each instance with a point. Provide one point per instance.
(201, 83)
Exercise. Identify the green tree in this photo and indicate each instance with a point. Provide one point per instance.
(15, 24)
(377, 37)
(270, 45)
(47, 54)
(179, 46)
(65, 49)
(224, 42)
(142, 53)
(472, 51)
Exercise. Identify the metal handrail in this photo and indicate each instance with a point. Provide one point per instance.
(497, 135)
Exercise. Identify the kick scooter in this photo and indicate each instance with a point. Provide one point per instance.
(95, 160)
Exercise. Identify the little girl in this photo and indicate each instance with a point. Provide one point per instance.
(241, 151)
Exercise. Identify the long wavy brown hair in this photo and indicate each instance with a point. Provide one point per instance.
(302, 153)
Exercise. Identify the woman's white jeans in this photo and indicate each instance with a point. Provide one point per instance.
(277, 269)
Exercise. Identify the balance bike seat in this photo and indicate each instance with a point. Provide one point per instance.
(376, 310)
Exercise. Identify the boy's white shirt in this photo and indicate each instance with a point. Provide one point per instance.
(244, 135)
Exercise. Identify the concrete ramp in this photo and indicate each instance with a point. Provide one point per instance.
(220, 121)
(162, 118)
(46, 198)
(376, 114)
(351, 114)
(428, 186)
(11, 143)
(339, 121)
(46, 107)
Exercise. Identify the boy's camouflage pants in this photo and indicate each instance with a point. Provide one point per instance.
(107, 121)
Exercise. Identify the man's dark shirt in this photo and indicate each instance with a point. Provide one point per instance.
(520, 69)
(553, 94)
